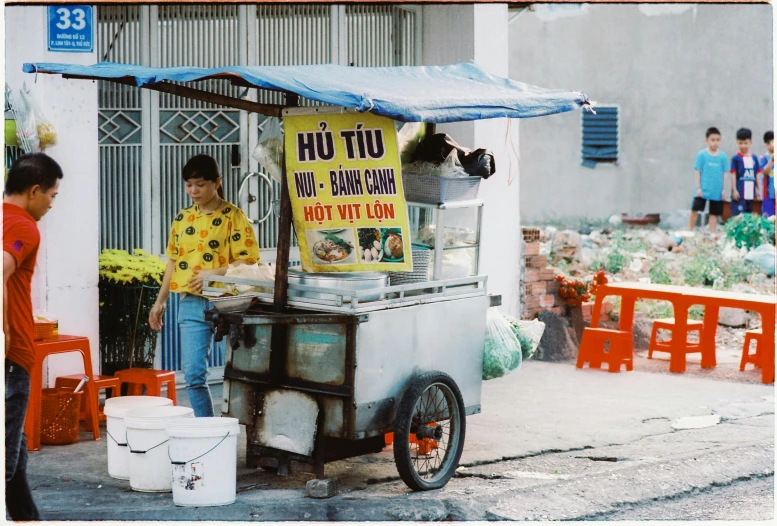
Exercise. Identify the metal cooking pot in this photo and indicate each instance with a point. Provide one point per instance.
(337, 281)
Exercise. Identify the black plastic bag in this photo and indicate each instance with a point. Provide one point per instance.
(436, 149)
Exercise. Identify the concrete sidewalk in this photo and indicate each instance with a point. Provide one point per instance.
(541, 413)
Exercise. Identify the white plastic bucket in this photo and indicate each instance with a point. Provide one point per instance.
(115, 409)
(147, 442)
(203, 452)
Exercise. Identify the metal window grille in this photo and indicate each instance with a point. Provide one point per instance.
(145, 138)
(600, 136)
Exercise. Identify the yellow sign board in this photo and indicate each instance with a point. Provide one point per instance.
(347, 199)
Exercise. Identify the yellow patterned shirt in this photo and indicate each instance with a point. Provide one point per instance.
(200, 241)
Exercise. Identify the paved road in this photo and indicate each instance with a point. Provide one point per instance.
(745, 500)
(552, 443)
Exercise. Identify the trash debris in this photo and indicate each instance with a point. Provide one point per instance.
(763, 256)
(696, 422)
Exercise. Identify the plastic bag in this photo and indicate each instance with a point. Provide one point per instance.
(408, 138)
(437, 149)
(502, 352)
(450, 167)
(269, 151)
(26, 130)
(529, 334)
(36, 128)
(256, 272)
(764, 257)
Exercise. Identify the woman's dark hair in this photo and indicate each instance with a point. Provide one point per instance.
(203, 166)
(30, 170)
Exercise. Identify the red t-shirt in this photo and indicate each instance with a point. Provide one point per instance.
(20, 239)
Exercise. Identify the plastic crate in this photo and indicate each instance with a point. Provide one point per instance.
(60, 414)
(434, 189)
(44, 331)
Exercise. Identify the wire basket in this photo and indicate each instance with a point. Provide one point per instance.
(434, 189)
(44, 331)
(60, 414)
(420, 273)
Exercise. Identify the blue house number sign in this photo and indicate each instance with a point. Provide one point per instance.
(71, 28)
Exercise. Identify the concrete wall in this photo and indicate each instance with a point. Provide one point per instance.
(463, 33)
(674, 70)
(66, 276)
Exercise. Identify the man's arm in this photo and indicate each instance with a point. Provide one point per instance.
(9, 267)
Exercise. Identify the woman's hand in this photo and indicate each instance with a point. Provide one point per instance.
(195, 283)
(155, 317)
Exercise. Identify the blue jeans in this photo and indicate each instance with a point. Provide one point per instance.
(18, 498)
(196, 344)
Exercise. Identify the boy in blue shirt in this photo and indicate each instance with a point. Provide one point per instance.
(711, 165)
(745, 170)
(767, 165)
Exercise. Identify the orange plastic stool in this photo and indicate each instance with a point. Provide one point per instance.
(58, 345)
(100, 382)
(592, 349)
(668, 325)
(753, 335)
(153, 379)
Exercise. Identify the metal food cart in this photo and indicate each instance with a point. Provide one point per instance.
(319, 374)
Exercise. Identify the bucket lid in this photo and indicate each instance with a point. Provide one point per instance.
(155, 417)
(209, 426)
(119, 405)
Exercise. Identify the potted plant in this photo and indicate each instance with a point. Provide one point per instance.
(128, 285)
(576, 292)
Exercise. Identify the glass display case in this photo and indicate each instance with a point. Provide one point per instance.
(452, 232)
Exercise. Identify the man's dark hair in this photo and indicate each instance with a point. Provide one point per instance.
(768, 136)
(712, 131)
(743, 134)
(30, 170)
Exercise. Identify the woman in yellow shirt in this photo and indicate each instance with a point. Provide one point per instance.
(204, 239)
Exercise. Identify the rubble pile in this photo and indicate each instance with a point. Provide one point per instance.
(651, 255)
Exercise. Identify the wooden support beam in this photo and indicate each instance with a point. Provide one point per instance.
(270, 110)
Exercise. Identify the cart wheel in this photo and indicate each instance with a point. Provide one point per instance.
(429, 431)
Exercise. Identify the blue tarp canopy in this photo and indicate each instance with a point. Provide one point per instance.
(459, 92)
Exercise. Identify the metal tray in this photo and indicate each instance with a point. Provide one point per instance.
(233, 303)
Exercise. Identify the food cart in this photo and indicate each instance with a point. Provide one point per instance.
(320, 367)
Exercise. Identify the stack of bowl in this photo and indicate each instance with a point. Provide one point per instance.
(421, 259)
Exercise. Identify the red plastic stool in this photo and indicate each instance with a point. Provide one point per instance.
(100, 382)
(153, 379)
(667, 324)
(43, 348)
(753, 335)
(592, 349)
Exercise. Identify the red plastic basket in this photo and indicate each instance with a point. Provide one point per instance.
(60, 412)
(44, 331)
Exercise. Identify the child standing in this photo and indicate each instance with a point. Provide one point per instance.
(744, 171)
(711, 165)
(767, 165)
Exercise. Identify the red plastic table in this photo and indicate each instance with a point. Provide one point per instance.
(682, 298)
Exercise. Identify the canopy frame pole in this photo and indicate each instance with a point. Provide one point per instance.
(279, 340)
(270, 110)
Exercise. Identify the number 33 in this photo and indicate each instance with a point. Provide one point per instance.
(64, 19)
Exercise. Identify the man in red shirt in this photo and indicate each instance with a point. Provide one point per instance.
(30, 189)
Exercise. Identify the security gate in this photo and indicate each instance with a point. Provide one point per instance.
(146, 137)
